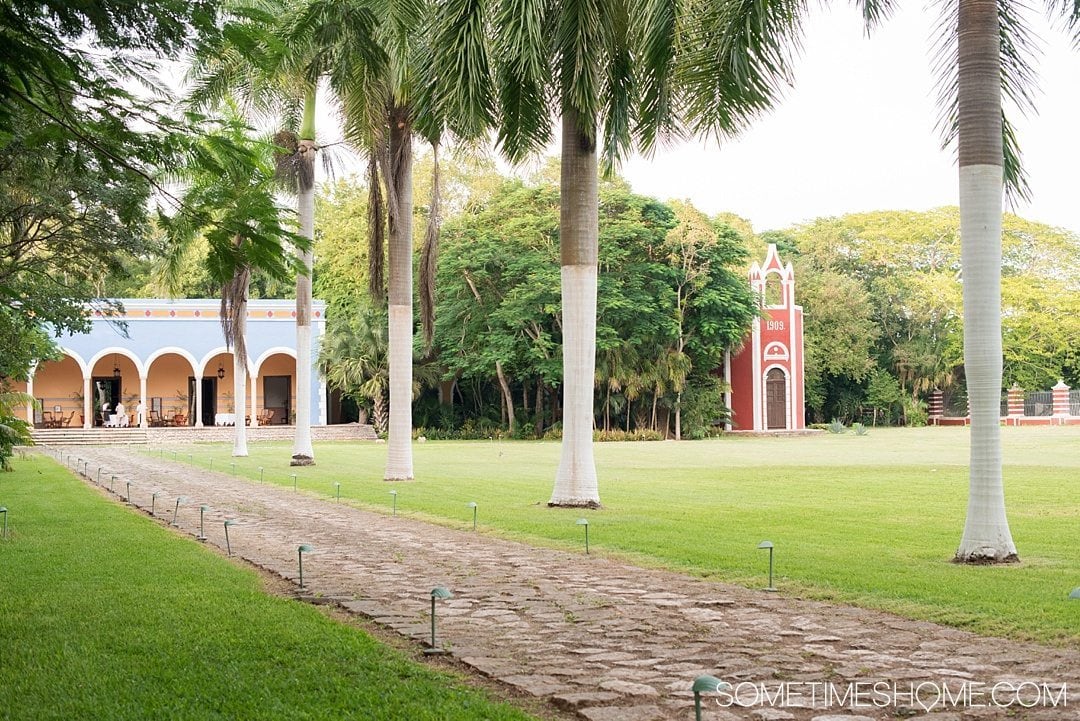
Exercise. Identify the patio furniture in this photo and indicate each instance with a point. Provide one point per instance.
(266, 416)
(65, 422)
(179, 420)
(225, 419)
(156, 421)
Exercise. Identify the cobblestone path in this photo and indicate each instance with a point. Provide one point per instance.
(601, 639)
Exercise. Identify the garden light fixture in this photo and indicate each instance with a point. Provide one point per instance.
(202, 512)
(1075, 593)
(153, 501)
(437, 593)
(337, 487)
(176, 509)
(293, 481)
(128, 499)
(300, 551)
(585, 522)
(706, 684)
(260, 474)
(769, 545)
(3, 509)
(228, 546)
(394, 494)
(472, 505)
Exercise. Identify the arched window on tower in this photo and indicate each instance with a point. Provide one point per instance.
(774, 290)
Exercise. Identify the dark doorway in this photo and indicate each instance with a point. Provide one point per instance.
(106, 391)
(776, 399)
(209, 401)
(276, 397)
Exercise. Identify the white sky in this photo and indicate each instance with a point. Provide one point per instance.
(856, 133)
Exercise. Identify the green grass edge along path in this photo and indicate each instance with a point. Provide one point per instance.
(871, 520)
(104, 614)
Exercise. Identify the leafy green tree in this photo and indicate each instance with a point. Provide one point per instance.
(13, 431)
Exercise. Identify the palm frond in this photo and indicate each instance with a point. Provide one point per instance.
(523, 73)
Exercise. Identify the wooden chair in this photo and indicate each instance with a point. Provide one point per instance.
(66, 422)
(265, 416)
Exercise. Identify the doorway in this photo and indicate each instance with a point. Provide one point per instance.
(106, 391)
(209, 401)
(776, 399)
(276, 397)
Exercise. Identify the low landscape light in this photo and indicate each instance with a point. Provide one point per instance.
(211, 463)
(472, 505)
(260, 474)
(293, 481)
(706, 684)
(3, 510)
(1075, 593)
(128, 499)
(99, 475)
(437, 593)
(228, 546)
(585, 522)
(232, 467)
(112, 482)
(176, 509)
(769, 545)
(153, 501)
(394, 495)
(191, 459)
(300, 551)
(337, 487)
(202, 512)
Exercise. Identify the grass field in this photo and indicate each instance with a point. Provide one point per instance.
(873, 520)
(106, 615)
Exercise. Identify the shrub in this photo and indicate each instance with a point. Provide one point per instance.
(836, 426)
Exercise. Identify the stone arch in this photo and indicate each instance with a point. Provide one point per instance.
(116, 350)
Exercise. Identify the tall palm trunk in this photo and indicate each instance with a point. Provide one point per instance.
(303, 453)
(234, 328)
(575, 483)
(986, 532)
(399, 461)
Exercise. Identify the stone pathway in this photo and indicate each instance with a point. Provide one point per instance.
(604, 640)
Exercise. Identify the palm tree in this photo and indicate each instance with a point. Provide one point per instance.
(228, 200)
(355, 361)
(274, 73)
(611, 71)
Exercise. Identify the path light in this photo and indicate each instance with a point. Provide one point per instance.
(153, 501)
(394, 494)
(99, 475)
(293, 481)
(228, 546)
(472, 505)
(211, 463)
(112, 482)
(1075, 592)
(190, 459)
(128, 500)
(769, 545)
(436, 593)
(337, 486)
(705, 684)
(585, 522)
(300, 551)
(232, 466)
(3, 509)
(260, 474)
(202, 512)
(174, 455)
(176, 510)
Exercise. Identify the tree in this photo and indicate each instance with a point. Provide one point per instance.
(272, 62)
(611, 73)
(355, 361)
(229, 202)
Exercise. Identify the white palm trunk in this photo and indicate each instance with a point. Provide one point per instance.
(240, 390)
(986, 531)
(399, 457)
(303, 454)
(399, 462)
(575, 482)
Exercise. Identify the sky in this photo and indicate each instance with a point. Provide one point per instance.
(856, 133)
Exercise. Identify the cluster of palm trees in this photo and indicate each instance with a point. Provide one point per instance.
(613, 76)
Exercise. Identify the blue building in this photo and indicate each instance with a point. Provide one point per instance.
(172, 361)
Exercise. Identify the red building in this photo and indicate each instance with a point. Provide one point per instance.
(766, 375)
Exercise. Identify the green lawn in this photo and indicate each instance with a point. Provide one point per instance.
(106, 615)
(870, 519)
